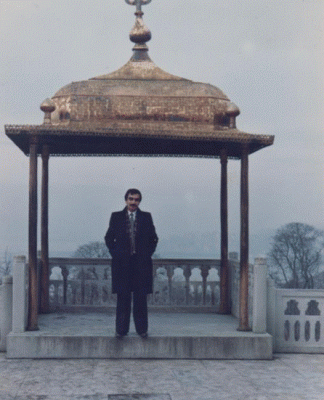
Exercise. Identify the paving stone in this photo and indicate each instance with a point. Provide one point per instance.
(287, 377)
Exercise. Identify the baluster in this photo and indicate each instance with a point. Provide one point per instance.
(155, 268)
(213, 287)
(49, 283)
(56, 294)
(204, 272)
(187, 274)
(152, 296)
(74, 293)
(65, 274)
(82, 286)
(196, 294)
(170, 273)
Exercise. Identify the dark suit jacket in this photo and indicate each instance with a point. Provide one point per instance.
(118, 242)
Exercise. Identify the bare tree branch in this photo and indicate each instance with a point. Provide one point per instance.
(296, 255)
(92, 250)
(6, 264)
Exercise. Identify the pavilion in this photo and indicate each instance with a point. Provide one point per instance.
(138, 110)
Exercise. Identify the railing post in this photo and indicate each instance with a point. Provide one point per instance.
(56, 301)
(6, 311)
(204, 272)
(170, 273)
(260, 271)
(196, 294)
(65, 274)
(82, 286)
(155, 268)
(19, 295)
(187, 274)
(212, 301)
(74, 293)
(272, 311)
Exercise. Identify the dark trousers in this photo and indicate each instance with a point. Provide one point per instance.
(123, 312)
(124, 303)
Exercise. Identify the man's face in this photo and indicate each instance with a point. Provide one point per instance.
(132, 202)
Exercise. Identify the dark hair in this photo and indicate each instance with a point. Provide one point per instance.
(133, 191)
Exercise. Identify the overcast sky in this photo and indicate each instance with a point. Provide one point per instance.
(267, 56)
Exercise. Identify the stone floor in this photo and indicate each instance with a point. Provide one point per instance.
(161, 324)
(286, 377)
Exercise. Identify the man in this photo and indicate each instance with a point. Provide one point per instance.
(131, 240)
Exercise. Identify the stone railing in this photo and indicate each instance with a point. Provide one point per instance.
(13, 301)
(5, 310)
(296, 319)
(178, 283)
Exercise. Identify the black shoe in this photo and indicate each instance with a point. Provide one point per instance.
(143, 335)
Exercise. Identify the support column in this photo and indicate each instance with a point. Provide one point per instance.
(224, 307)
(32, 237)
(44, 295)
(244, 269)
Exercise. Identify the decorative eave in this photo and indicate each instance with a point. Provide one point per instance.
(138, 138)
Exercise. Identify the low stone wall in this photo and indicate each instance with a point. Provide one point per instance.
(295, 319)
(5, 310)
(14, 301)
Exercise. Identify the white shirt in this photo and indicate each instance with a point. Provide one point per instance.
(132, 212)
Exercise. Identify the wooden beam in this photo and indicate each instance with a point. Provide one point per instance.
(244, 268)
(224, 307)
(32, 238)
(44, 295)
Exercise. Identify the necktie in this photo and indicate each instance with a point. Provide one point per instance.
(131, 218)
(132, 226)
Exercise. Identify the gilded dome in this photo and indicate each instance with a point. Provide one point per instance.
(139, 90)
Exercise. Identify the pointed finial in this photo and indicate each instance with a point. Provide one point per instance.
(140, 34)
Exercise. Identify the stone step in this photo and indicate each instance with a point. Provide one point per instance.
(171, 336)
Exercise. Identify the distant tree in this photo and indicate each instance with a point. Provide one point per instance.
(92, 250)
(6, 264)
(296, 255)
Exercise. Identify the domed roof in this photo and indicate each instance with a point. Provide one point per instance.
(138, 110)
(138, 90)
